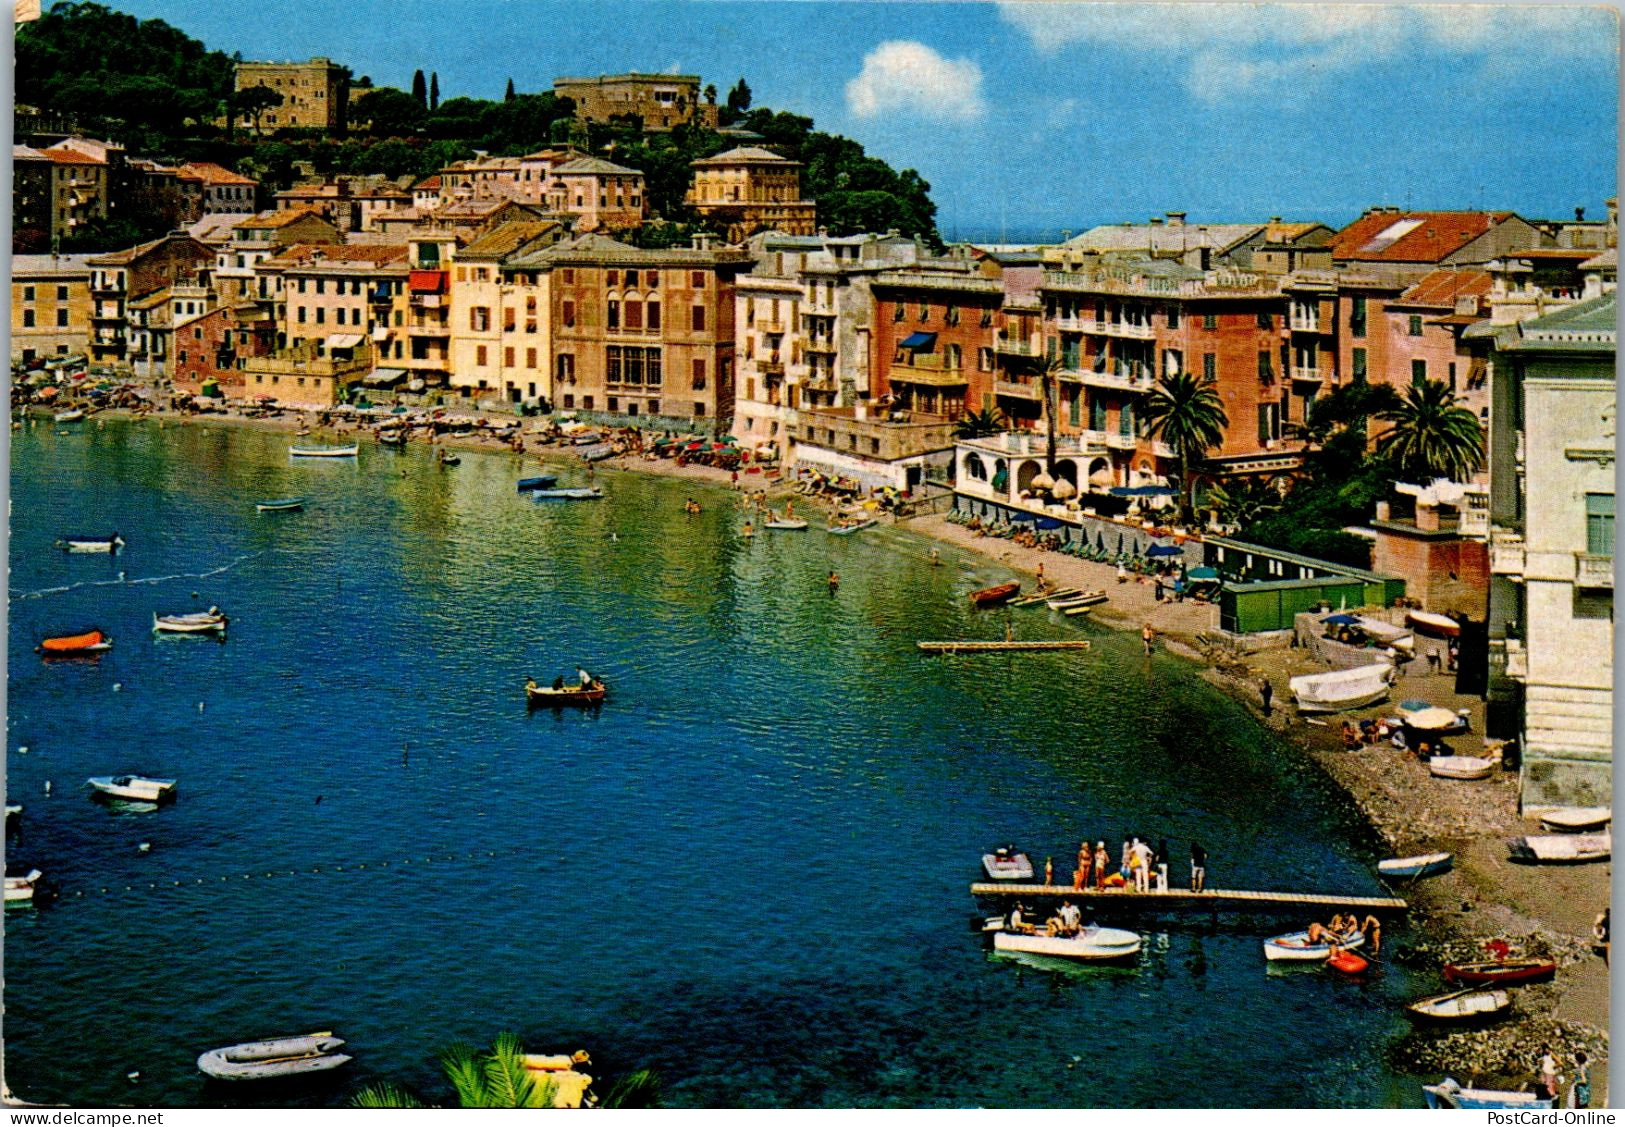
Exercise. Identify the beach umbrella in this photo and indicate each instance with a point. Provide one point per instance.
(1208, 573)
(1063, 490)
(1432, 719)
(1158, 550)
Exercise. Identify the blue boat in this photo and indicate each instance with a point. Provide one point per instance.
(1451, 1095)
(546, 481)
(566, 495)
(1413, 868)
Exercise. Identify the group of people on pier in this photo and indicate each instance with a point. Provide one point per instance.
(1140, 867)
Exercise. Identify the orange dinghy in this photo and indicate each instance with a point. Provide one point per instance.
(93, 642)
(992, 596)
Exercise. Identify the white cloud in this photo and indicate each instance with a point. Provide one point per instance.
(902, 75)
(1229, 49)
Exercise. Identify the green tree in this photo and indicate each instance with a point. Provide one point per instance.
(498, 1079)
(387, 112)
(420, 90)
(1245, 501)
(1188, 415)
(509, 94)
(434, 91)
(739, 97)
(980, 424)
(1432, 435)
(253, 102)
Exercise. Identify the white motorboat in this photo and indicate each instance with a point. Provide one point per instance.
(1561, 849)
(91, 543)
(1577, 819)
(1342, 688)
(1462, 767)
(847, 527)
(787, 524)
(275, 1058)
(1412, 868)
(1007, 863)
(1462, 1006)
(1078, 599)
(1296, 947)
(1097, 944)
(20, 889)
(1450, 1094)
(324, 451)
(201, 622)
(71, 415)
(134, 788)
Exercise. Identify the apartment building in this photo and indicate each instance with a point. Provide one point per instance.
(251, 241)
(151, 321)
(334, 296)
(1552, 450)
(426, 324)
(211, 348)
(500, 333)
(56, 193)
(641, 334)
(130, 275)
(661, 102)
(1400, 247)
(314, 93)
(223, 191)
(1424, 328)
(601, 196)
(50, 306)
(308, 375)
(749, 189)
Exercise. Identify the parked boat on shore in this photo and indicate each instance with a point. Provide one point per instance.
(1461, 1007)
(1044, 596)
(1433, 625)
(90, 642)
(91, 543)
(280, 505)
(1577, 819)
(1079, 599)
(1094, 944)
(274, 1059)
(1561, 849)
(1462, 767)
(1500, 972)
(1450, 1094)
(1414, 868)
(1342, 688)
(71, 415)
(324, 451)
(993, 596)
(1007, 863)
(134, 788)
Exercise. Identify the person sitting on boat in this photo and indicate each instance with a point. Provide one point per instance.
(530, 684)
(1317, 933)
(558, 683)
(1070, 917)
(585, 677)
(1016, 922)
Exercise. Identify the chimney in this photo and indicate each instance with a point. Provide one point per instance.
(1275, 219)
(1579, 215)
(1156, 221)
(1176, 219)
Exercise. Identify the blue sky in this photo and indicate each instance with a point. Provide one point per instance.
(1060, 115)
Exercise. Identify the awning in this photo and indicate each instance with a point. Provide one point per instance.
(385, 377)
(1200, 573)
(380, 332)
(344, 340)
(919, 342)
(1157, 550)
(427, 281)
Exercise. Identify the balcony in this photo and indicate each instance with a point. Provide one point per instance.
(1305, 375)
(773, 328)
(1016, 389)
(1595, 572)
(770, 367)
(1307, 324)
(928, 371)
(426, 301)
(1007, 347)
(1142, 331)
(1114, 380)
(1117, 440)
(1506, 557)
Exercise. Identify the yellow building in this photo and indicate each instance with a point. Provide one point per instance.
(50, 306)
(338, 293)
(661, 101)
(499, 323)
(749, 189)
(301, 377)
(313, 94)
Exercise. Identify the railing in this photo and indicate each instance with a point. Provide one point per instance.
(1119, 381)
(770, 367)
(1015, 347)
(1017, 390)
(1506, 557)
(774, 327)
(1595, 571)
(1142, 331)
(1117, 440)
(1308, 375)
(1306, 324)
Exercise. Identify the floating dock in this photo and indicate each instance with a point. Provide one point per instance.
(995, 647)
(1183, 898)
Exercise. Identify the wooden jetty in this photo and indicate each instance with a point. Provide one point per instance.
(971, 647)
(1184, 898)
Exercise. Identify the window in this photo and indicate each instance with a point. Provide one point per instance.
(28, 318)
(301, 285)
(1173, 316)
(1452, 376)
(1269, 422)
(899, 313)
(62, 293)
(651, 367)
(699, 410)
(699, 374)
(696, 279)
(61, 318)
(925, 313)
(987, 318)
(614, 403)
(507, 357)
(612, 278)
(633, 313)
(951, 317)
(321, 285)
(1419, 371)
(654, 406)
(321, 315)
(479, 319)
(586, 402)
(1357, 316)
(1359, 365)
(1266, 321)
(567, 314)
(984, 359)
(566, 366)
(698, 324)
(612, 364)
(508, 316)
(1600, 524)
(1265, 373)
(652, 309)
(569, 276)
(1210, 367)
(612, 314)
(530, 360)
(299, 314)
(479, 356)
(1210, 321)
(1416, 324)
(952, 358)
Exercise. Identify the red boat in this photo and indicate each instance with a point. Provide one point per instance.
(1347, 962)
(1500, 971)
(93, 641)
(993, 596)
(571, 694)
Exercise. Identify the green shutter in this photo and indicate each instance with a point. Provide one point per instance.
(1600, 524)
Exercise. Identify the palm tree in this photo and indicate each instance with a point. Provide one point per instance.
(1432, 436)
(1245, 500)
(1049, 377)
(1187, 415)
(979, 424)
(498, 1078)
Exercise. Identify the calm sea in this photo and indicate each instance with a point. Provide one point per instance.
(749, 870)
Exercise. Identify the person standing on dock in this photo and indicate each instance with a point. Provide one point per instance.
(1100, 865)
(1372, 927)
(1080, 875)
(1049, 871)
(1198, 867)
(1160, 860)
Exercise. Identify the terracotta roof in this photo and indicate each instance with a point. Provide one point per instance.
(1443, 287)
(214, 174)
(429, 182)
(23, 152)
(593, 166)
(1288, 232)
(339, 254)
(746, 154)
(276, 220)
(507, 239)
(69, 156)
(140, 250)
(1412, 236)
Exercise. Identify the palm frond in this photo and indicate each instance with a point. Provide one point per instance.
(463, 1068)
(507, 1084)
(639, 1089)
(384, 1095)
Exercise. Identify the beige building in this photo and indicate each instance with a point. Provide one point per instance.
(313, 93)
(224, 191)
(599, 195)
(661, 101)
(305, 377)
(499, 326)
(334, 295)
(56, 192)
(237, 276)
(50, 306)
(749, 189)
(126, 276)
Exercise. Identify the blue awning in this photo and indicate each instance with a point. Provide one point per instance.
(919, 342)
(1022, 518)
(1163, 550)
(1048, 523)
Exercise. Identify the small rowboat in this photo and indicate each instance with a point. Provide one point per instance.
(1577, 819)
(1095, 944)
(1045, 596)
(280, 505)
(134, 788)
(93, 641)
(324, 451)
(1007, 863)
(210, 621)
(597, 452)
(1080, 599)
(539, 695)
(545, 481)
(274, 1059)
(1082, 608)
(1461, 767)
(1500, 972)
(1451, 1095)
(20, 889)
(392, 438)
(1347, 962)
(1342, 688)
(1433, 625)
(993, 596)
(854, 526)
(450, 459)
(566, 494)
(71, 415)
(1296, 947)
(91, 543)
(1414, 868)
(1561, 849)
(1462, 1007)
(787, 524)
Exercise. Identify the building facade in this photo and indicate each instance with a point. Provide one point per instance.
(224, 192)
(128, 276)
(750, 189)
(661, 102)
(314, 94)
(50, 306)
(499, 329)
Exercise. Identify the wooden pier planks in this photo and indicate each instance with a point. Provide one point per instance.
(1211, 898)
(992, 647)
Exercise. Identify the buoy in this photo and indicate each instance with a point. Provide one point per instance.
(145, 847)
(22, 751)
(118, 686)
(200, 706)
(132, 1077)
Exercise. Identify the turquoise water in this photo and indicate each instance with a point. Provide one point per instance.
(748, 870)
